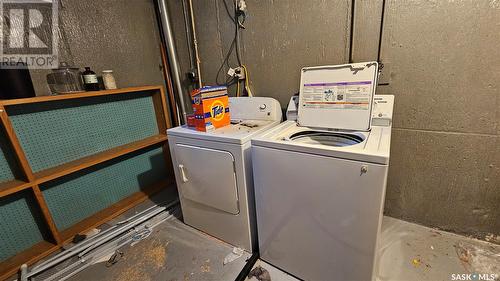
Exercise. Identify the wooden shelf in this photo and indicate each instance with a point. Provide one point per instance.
(113, 211)
(33, 180)
(10, 266)
(13, 186)
(85, 162)
(78, 95)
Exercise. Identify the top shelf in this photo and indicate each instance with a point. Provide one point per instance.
(40, 99)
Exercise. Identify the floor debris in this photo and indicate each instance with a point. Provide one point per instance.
(153, 256)
(437, 254)
(114, 258)
(492, 238)
(477, 259)
(435, 233)
(78, 238)
(158, 254)
(132, 274)
(205, 267)
(260, 273)
(235, 254)
(173, 251)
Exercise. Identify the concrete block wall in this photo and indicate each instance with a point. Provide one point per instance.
(280, 38)
(441, 64)
(113, 34)
(444, 68)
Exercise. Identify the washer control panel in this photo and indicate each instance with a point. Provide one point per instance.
(382, 110)
(292, 109)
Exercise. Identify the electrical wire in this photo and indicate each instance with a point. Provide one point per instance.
(230, 81)
(238, 19)
(235, 45)
(228, 11)
(236, 32)
(247, 83)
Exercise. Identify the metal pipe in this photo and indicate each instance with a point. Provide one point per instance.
(86, 243)
(87, 261)
(138, 214)
(172, 55)
(69, 252)
(120, 230)
(128, 226)
(24, 272)
(195, 43)
(97, 242)
(189, 38)
(63, 272)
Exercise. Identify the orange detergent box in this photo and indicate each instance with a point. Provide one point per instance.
(211, 108)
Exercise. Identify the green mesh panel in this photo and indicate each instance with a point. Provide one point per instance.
(79, 195)
(56, 133)
(21, 224)
(8, 165)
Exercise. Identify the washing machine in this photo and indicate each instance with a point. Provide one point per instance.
(320, 180)
(213, 171)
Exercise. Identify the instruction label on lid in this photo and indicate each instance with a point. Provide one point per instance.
(338, 95)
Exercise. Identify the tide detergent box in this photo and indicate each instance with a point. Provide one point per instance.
(211, 108)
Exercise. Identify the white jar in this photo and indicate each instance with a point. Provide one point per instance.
(108, 79)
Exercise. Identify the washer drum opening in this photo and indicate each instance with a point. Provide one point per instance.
(326, 138)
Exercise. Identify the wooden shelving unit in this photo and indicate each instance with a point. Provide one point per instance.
(29, 256)
(112, 211)
(32, 180)
(13, 186)
(85, 162)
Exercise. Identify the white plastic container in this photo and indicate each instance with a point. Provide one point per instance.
(108, 79)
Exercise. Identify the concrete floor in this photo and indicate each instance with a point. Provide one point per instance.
(175, 251)
(411, 252)
(414, 252)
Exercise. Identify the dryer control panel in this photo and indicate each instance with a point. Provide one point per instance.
(383, 106)
(254, 108)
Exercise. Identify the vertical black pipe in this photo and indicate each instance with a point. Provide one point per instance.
(248, 267)
(381, 31)
(351, 39)
(15, 84)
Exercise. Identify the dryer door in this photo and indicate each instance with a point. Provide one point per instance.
(207, 176)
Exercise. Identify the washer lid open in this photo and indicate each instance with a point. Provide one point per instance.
(338, 96)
